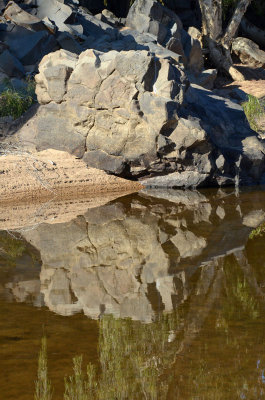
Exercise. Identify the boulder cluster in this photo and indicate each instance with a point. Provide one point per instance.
(129, 96)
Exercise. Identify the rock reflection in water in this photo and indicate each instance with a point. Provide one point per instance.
(198, 351)
(135, 256)
(182, 263)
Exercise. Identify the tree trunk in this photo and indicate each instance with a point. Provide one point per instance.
(234, 23)
(217, 41)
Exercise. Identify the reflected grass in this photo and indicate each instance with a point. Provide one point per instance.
(142, 361)
(43, 389)
(80, 386)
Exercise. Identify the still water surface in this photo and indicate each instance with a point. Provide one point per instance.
(162, 293)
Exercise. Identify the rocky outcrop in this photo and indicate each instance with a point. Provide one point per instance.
(127, 100)
(135, 115)
(28, 32)
(151, 17)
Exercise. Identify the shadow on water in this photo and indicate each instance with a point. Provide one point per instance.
(173, 284)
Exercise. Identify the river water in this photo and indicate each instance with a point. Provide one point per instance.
(161, 292)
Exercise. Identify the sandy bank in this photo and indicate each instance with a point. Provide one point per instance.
(51, 173)
(52, 186)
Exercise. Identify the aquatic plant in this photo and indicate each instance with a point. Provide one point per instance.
(259, 231)
(240, 298)
(43, 389)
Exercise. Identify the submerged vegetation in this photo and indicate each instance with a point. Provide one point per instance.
(259, 231)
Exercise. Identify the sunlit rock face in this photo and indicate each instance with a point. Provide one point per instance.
(134, 114)
(137, 255)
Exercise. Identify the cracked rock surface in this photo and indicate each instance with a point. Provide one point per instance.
(135, 115)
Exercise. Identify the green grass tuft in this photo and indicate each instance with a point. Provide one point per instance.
(13, 102)
(254, 111)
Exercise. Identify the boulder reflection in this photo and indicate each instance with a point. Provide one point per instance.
(140, 254)
(187, 264)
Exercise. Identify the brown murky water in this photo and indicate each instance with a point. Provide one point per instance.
(163, 293)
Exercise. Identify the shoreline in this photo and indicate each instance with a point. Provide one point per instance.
(53, 174)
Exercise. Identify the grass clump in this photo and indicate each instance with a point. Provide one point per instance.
(15, 102)
(254, 111)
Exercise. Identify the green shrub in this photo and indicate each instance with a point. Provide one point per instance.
(15, 102)
(254, 110)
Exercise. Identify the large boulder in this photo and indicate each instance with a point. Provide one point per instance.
(101, 106)
(248, 52)
(134, 114)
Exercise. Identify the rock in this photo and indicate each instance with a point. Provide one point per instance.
(248, 52)
(253, 32)
(254, 218)
(101, 106)
(67, 42)
(92, 26)
(94, 6)
(188, 244)
(3, 78)
(193, 52)
(109, 18)
(29, 47)
(3, 47)
(115, 91)
(51, 82)
(4, 125)
(205, 79)
(252, 87)
(20, 17)
(151, 17)
(10, 65)
(56, 11)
